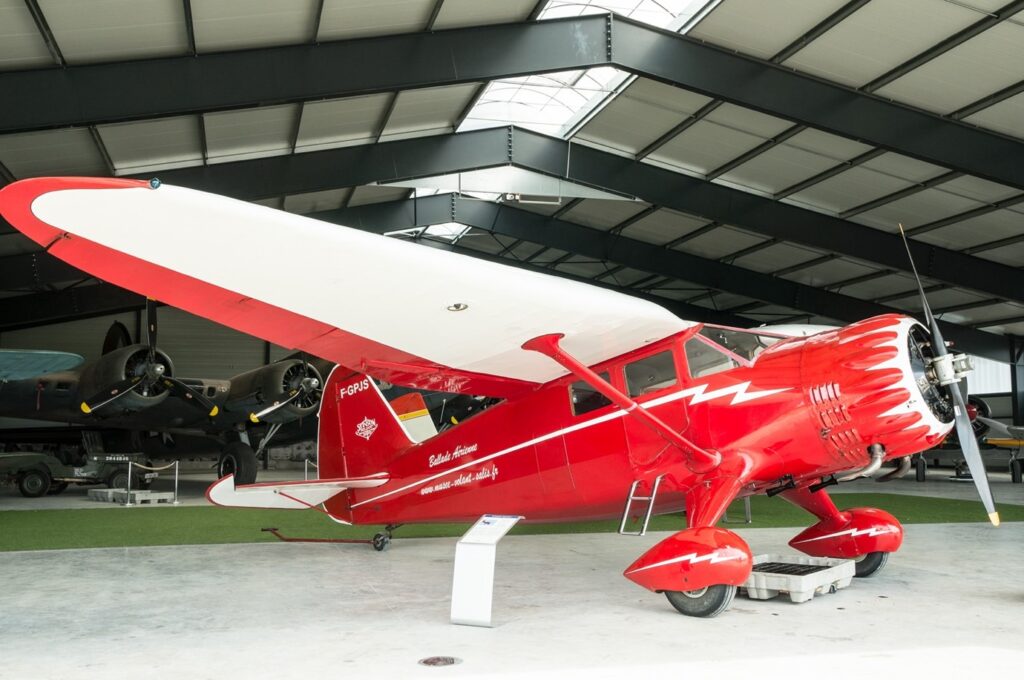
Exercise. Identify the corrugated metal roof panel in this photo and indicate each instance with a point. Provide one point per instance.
(251, 133)
(761, 28)
(992, 226)
(109, 30)
(316, 201)
(238, 24)
(341, 122)
(456, 13)
(775, 257)
(904, 167)
(663, 226)
(984, 64)
(69, 151)
(582, 266)
(826, 144)
(880, 36)
(851, 188)
(158, 144)
(344, 19)
(365, 195)
(21, 45)
(778, 168)
(704, 146)
(428, 111)
(641, 114)
(829, 272)
(917, 209)
(1012, 255)
(1005, 117)
(980, 189)
(604, 215)
(719, 242)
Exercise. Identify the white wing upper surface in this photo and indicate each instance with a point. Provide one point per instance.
(392, 293)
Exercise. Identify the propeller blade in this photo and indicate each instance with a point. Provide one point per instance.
(965, 433)
(964, 429)
(151, 327)
(111, 394)
(292, 396)
(190, 395)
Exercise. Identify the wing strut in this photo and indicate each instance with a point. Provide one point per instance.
(697, 459)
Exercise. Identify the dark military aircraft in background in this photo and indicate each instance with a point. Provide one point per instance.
(131, 400)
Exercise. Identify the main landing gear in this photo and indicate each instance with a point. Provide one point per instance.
(704, 603)
(867, 535)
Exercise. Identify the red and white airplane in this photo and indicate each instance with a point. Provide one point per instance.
(605, 399)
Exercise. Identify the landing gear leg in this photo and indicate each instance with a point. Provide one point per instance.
(382, 540)
(865, 534)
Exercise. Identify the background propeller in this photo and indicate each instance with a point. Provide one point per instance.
(304, 387)
(147, 375)
(945, 372)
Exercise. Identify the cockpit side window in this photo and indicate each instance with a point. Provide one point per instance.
(706, 358)
(585, 398)
(650, 374)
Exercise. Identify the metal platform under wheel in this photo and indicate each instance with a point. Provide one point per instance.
(800, 576)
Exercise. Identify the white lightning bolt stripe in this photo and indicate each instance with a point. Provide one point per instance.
(692, 558)
(871, 531)
(698, 393)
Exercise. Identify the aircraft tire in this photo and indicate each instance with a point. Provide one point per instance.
(870, 564)
(920, 469)
(239, 459)
(34, 483)
(704, 603)
(1015, 471)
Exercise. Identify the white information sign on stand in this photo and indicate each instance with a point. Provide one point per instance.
(473, 582)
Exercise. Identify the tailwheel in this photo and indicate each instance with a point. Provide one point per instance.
(381, 542)
(704, 603)
(866, 565)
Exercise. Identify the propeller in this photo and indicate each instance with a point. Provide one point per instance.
(948, 370)
(308, 386)
(148, 375)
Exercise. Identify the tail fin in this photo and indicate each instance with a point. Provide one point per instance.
(359, 432)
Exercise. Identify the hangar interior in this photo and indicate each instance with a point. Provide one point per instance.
(740, 162)
(753, 171)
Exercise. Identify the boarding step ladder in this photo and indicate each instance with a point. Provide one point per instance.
(634, 498)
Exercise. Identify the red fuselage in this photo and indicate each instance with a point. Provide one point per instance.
(798, 411)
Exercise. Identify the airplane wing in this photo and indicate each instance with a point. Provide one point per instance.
(285, 495)
(410, 315)
(20, 364)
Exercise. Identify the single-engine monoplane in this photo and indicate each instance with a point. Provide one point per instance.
(606, 405)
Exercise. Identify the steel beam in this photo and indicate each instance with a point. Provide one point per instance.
(626, 252)
(443, 154)
(101, 93)
(82, 302)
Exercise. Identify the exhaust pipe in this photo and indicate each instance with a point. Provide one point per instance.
(877, 457)
(904, 468)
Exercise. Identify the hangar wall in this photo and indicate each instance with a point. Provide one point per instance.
(198, 348)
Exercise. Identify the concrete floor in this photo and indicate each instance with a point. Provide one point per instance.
(948, 605)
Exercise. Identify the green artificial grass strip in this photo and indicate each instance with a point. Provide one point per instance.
(122, 527)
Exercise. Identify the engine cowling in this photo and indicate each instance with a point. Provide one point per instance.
(122, 364)
(262, 387)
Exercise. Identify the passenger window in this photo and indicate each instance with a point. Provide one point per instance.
(653, 373)
(706, 359)
(585, 398)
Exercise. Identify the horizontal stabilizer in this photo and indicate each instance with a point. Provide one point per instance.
(286, 495)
